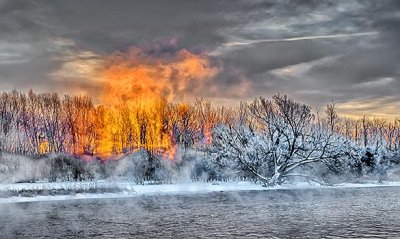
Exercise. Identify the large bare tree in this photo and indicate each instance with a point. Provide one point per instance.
(285, 136)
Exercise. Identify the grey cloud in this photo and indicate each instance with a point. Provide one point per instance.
(102, 27)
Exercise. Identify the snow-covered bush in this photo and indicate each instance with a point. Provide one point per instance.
(18, 168)
(69, 168)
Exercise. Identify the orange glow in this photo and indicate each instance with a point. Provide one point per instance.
(171, 152)
(207, 133)
(138, 91)
(44, 147)
(133, 77)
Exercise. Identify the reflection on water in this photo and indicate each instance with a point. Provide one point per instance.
(311, 213)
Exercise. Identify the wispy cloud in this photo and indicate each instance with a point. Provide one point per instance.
(11, 53)
(303, 38)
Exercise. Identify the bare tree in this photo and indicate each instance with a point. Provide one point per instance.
(285, 139)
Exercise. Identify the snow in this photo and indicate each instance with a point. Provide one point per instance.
(129, 189)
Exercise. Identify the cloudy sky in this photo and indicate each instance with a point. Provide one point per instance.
(315, 51)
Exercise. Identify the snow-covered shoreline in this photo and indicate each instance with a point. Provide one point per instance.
(129, 189)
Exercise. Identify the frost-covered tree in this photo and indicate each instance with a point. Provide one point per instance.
(283, 137)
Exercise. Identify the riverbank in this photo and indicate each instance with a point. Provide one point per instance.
(28, 192)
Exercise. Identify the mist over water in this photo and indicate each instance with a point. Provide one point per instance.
(303, 213)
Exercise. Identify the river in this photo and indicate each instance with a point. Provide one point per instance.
(300, 213)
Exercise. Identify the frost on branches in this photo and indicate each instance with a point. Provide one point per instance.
(276, 140)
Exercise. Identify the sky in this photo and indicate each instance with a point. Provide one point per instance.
(315, 51)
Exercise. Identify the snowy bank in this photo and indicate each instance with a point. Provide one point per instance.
(99, 187)
(103, 189)
(67, 186)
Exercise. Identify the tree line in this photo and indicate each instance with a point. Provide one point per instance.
(39, 124)
(269, 140)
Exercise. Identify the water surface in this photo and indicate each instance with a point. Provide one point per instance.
(302, 213)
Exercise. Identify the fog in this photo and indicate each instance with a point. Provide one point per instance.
(304, 213)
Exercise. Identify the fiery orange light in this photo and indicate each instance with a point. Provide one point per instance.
(133, 77)
(138, 88)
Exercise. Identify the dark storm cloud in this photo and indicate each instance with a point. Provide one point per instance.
(101, 26)
(44, 40)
